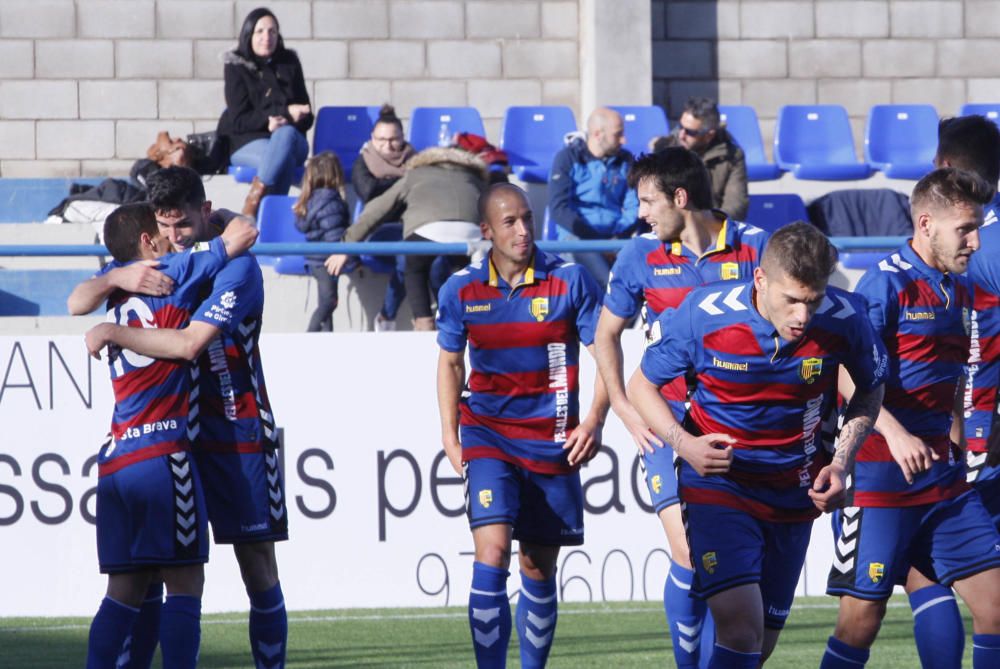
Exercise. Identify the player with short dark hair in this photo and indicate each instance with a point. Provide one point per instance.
(151, 518)
(911, 505)
(690, 245)
(515, 433)
(753, 473)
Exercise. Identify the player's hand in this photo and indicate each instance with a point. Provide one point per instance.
(911, 454)
(453, 449)
(703, 453)
(239, 235)
(97, 338)
(142, 277)
(584, 442)
(829, 488)
(642, 435)
(335, 263)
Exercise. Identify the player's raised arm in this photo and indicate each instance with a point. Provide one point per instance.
(139, 277)
(450, 377)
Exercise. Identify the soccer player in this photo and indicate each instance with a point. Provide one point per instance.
(911, 504)
(515, 433)
(150, 505)
(690, 245)
(753, 473)
(234, 437)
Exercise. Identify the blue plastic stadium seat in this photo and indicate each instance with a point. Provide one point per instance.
(860, 259)
(31, 200)
(387, 232)
(38, 292)
(642, 125)
(426, 123)
(549, 232)
(741, 122)
(343, 130)
(244, 174)
(532, 136)
(277, 224)
(815, 142)
(770, 212)
(989, 110)
(900, 140)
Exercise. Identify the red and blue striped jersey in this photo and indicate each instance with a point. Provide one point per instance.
(922, 317)
(653, 276)
(982, 409)
(234, 412)
(151, 395)
(522, 397)
(768, 394)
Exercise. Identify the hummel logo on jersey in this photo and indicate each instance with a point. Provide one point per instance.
(477, 308)
(228, 299)
(731, 366)
(919, 316)
(666, 271)
(893, 264)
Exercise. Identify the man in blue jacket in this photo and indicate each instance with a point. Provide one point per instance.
(589, 197)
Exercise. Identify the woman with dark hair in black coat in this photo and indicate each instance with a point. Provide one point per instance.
(267, 107)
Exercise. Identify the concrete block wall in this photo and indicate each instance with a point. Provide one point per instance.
(854, 53)
(86, 84)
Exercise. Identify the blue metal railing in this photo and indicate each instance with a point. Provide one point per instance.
(410, 248)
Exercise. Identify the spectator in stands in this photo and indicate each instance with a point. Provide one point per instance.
(322, 215)
(438, 196)
(700, 131)
(589, 197)
(267, 108)
(380, 164)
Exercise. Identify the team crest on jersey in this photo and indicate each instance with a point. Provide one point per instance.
(876, 570)
(485, 498)
(540, 308)
(709, 562)
(729, 271)
(811, 369)
(228, 299)
(657, 483)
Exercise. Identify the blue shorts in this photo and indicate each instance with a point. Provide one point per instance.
(151, 514)
(946, 541)
(661, 477)
(989, 492)
(544, 509)
(245, 495)
(730, 547)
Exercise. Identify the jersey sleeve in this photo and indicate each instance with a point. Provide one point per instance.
(882, 302)
(587, 300)
(671, 352)
(237, 292)
(866, 359)
(452, 334)
(624, 296)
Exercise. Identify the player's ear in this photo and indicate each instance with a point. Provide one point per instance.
(923, 223)
(759, 278)
(484, 228)
(206, 208)
(681, 198)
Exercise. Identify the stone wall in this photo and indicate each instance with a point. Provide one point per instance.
(854, 53)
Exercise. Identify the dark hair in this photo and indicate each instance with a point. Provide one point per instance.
(487, 196)
(802, 252)
(244, 46)
(704, 109)
(175, 188)
(970, 143)
(387, 114)
(949, 186)
(123, 227)
(672, 168)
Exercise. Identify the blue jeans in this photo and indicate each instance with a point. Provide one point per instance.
(275, 158)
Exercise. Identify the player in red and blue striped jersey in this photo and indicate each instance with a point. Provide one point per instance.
(911, 504)
(690, 245)
(515, 432)
(753, 472)
(150, 505)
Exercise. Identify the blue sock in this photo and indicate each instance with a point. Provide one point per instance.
(112, 624)
(707, 639)
(937, 627)
(537, 612)
(985, 651)
(723, 658)
(139, 648)
(685, 616)
(268, 628)
(839, 655)
(180, 631)
(489, 616)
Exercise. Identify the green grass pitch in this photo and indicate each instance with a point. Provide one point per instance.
(622, 634)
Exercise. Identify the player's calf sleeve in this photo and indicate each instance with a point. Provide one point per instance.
(937, 627)
(268, 627)
(707, 639)
(489, 616)
(180, 631)
(724, 658)
(685, 616)
(985, 651)
(537, 612)
(839, 655)
(112, 624)
(139, 648)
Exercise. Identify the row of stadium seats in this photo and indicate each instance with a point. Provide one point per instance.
(810, 141)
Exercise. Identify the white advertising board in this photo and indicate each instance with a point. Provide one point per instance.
(375, 511)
